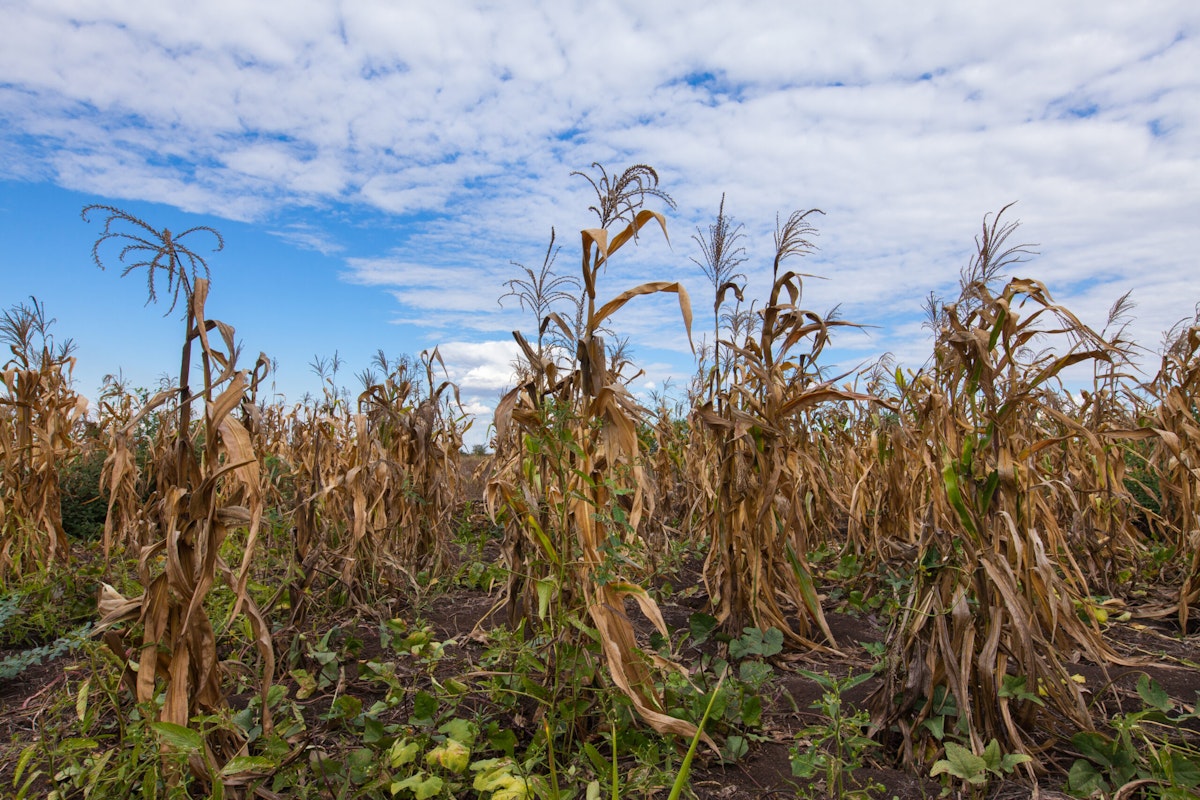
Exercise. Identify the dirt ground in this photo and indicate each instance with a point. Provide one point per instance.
(765, 772)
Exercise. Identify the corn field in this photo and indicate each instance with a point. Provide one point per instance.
(994, 519)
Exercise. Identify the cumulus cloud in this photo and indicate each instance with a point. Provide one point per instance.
(479, 367)
(462, 124)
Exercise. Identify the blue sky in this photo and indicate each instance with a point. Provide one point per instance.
(375, 167)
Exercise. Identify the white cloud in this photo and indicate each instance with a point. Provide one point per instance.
(905, 124)
(309, 238)
(480, 367)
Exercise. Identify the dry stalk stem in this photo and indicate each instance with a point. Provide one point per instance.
(997, 594)
(569, 482)
(38, 412)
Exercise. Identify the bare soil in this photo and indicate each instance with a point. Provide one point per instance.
(460, 614)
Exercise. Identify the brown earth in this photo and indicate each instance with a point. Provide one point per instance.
(458, 613)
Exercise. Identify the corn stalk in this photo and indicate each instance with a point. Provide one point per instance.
(1170, 424)
(998, 605)
(193, 513)
(205, 489)
(569, 483)
(38, 411)
(766, 473)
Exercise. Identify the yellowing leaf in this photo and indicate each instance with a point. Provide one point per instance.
(422, 786)
(402, 752)
(451, 755)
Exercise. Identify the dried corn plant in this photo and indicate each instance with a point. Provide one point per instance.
(207, 486)
(132, 424)
(666, 443)
(1096, 506)
(193, 514)
(268, 425)
(317, 433)
(1170, 425)
(352, 500)
(765, 468)
(38, 412)
(721, 256)
(568, 482)
(427, 439)
(866, 470)
(994, 613)
(540, 293)
(834, 432)
(377, 486)
(405, 460)
(272, 430)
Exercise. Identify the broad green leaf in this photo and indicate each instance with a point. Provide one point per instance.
(808, 591)
(1084, 780)
(345, 707)
(936, 726)
(772, 642)
(402, 752)
(968, 450)
(1153, 694)
(1185, 771)
(1094, 747)
(961, 763)
(748, 644)
(754, 673)
(276, 693)
(989, 491)
(460, 730)
(421, 785)
(735, 747)
(806, 764)
(503, 740)
(372, 730)
(179, 737)
(991, 755)
(701, 626)
(751, 711)
(1014, 686)
(954, 495)
(1012, 760)
(425, 707)
(998, 328)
